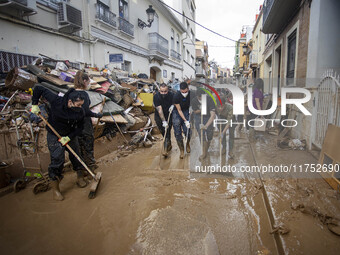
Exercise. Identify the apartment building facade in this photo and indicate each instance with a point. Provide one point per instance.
(102, 33)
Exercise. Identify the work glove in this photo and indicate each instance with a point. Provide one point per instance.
(164, 123)
(99, 115)
(202, 126)
(35, 109)
(64, 140)
(171, 108)
(187, 123)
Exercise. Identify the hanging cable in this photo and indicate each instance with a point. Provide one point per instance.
(196, 22)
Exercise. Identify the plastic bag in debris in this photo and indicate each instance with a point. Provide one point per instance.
(61, 66)
(296, 144)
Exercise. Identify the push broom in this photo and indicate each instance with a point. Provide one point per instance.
(96, 178)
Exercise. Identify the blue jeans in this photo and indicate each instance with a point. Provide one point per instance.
(179, 126)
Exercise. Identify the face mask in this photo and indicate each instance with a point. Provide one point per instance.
(185, 94)
(164, 95)
(76, 109)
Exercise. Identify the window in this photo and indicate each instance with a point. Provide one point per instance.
(188, 56)
(123, 9)
(177, 43)
(188, 26)
(192, 36)
(291, 54)
(172, 39)
(184, 51)
(192, 60)
(192, 10)
(104, 14)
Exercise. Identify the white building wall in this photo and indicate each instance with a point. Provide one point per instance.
(102, 39)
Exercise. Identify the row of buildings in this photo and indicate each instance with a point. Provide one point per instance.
(293, 44)
(144, 36)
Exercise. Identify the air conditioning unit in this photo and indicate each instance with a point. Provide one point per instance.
(69, 18)
(27, 7)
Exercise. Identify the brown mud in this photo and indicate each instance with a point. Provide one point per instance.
(150, 205)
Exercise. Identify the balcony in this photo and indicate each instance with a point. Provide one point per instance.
(276, 14)
(253, 59)
(175, 55)
(126, 27)
(107, 17)
(158, 46)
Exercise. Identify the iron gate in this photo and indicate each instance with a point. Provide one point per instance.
(327, 106)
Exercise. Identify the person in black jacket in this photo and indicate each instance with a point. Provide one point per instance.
(66, 116)
(86, 139)
(163, 103)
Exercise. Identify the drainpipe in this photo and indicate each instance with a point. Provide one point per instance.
(86, 4)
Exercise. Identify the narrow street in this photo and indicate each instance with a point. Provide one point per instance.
(150, 206)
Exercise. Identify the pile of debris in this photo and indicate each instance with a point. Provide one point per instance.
(126, 102)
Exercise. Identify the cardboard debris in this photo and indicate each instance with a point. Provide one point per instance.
(99, 79)
(330, 156)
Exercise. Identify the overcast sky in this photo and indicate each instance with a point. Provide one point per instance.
(225, 17)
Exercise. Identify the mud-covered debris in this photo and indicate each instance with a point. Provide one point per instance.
(282, 230)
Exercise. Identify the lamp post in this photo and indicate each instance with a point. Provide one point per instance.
(151, 15)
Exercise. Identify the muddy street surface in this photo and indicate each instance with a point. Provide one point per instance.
(150, 205)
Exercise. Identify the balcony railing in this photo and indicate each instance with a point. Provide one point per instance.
(158, 45)
(107, 17)
(253, 59)
(175, 55)
(277, 14)
(267, 5)
(126, 27)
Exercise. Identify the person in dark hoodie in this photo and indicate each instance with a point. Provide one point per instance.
(86, 139)
(66, 116)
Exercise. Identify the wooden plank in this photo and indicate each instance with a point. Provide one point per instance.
(54, 80)
(118, 118)
(330, 150)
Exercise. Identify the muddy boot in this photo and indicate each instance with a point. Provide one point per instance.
(56, 190)
(169, 145)
(205, 150)
(165, 148)
(188, 146)
(80, 179)
(181, 148)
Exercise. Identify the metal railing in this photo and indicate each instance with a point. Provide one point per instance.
(252, 58)
(327, 106)
(126, 27)
(107, 17)
(175, 55)
(158, 44)
(267, 5)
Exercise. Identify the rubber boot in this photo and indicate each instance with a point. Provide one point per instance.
(165, 148)
(56, 190)
(205, 150)
(169, 145)
(181, 148)
(80, 179)
(188, 146)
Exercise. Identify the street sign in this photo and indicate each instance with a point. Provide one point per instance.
(116, 58)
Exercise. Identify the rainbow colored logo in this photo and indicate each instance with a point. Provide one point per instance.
(209, 93)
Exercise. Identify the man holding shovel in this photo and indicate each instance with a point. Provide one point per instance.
(66, 116)
(180, 117)
(204, 123)
(163, 103)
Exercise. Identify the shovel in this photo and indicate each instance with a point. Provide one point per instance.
(96, 178)
(166, 130)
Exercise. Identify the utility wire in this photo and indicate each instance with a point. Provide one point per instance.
(196, 22)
